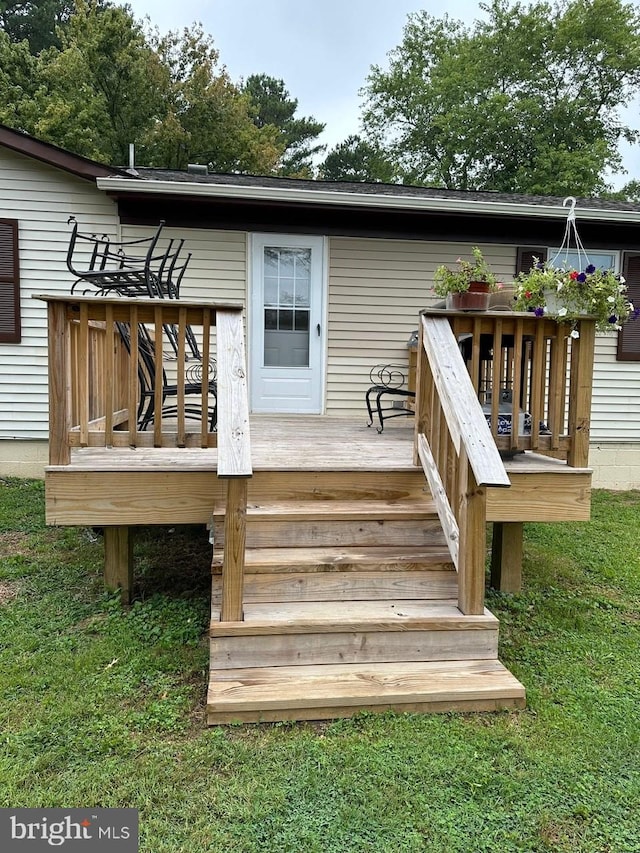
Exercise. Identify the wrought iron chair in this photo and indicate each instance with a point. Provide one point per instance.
(147, 350)
(131, 268)
(388, 381)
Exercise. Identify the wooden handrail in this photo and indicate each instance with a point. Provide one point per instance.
(455, 447)
(234, 457)
(464, 416)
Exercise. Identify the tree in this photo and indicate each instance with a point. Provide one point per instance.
(17, 82)
(524, 101)
(204, 117)
(275, 108)
(35, 21)
(110, 84)
(99, 91)
(355, 159)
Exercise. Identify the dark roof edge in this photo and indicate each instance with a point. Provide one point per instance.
(53, 155)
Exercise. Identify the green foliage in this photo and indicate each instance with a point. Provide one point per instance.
(275, 108)
(103, 706)
(524, 101)
(17, 82)
(356, 159)
(204, 118)
(457, 280)
(109, 83)
(99, 91)
(599, 293)
(35, 21)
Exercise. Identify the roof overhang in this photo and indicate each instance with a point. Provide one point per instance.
(124, 186)
(52, 155)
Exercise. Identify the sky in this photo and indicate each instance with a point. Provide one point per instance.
(322, 49)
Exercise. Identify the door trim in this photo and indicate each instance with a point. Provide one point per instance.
(255, 319)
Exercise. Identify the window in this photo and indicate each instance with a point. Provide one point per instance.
(570, 259)
(526, 257)
(9, 283)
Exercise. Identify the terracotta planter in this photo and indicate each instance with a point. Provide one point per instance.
(470, 300)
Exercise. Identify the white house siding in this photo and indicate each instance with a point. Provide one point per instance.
(614, 454)
(376, 290)
(217, 270)
(41, 198)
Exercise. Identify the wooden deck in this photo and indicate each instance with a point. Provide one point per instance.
(348, 566)
(144, 485)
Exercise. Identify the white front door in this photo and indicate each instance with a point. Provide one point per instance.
(287, 335)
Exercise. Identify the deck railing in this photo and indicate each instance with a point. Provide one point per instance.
(458, 454)
(533, 374)
(100, 386)
(490, 382)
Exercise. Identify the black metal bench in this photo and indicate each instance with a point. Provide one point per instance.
(387, 381)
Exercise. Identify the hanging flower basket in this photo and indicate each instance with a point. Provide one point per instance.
(552, 289)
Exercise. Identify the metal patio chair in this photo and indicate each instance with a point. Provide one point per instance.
(387, 380)
(146, 413)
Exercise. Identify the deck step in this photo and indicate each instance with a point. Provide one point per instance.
(342, 586)
(340, 690)
(339, 510)
(388, 558)
(321, 523)
(312, 632)
(340, 616)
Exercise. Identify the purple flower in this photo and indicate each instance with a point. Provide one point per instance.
(612, 319)
(540, 265)
(636, 314)
(582, 277)
(590, 269)
(539, 312)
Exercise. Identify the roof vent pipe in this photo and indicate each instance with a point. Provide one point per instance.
(132, 155)
(197, 169)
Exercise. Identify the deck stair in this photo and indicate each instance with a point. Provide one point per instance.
(349, 605)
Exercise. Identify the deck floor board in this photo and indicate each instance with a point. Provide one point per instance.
(294, 443)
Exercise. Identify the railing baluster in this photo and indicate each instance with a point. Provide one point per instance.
(556, 378)
(516, 385)
(204, 380)
(537, 389)
(134, 384)
(83, 375)
(181, 375)
(496, 377)
(158, 379)
(108, 388)
(582, 357)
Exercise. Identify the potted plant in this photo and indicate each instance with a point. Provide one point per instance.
(468, 286)
(567, 294)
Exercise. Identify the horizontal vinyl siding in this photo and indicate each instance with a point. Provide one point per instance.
(615, 410)
(376, 291)
(217, 270)
(41, 198)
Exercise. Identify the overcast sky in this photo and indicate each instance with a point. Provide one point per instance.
(322, 49)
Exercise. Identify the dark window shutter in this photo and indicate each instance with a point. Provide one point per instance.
(9, 283)
(526, 257)
(629, 335)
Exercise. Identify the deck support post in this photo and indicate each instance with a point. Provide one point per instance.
(235, 535)
(472, 550)
(506, 556)
(118, 561)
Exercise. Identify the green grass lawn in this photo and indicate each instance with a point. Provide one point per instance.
(104, 706)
